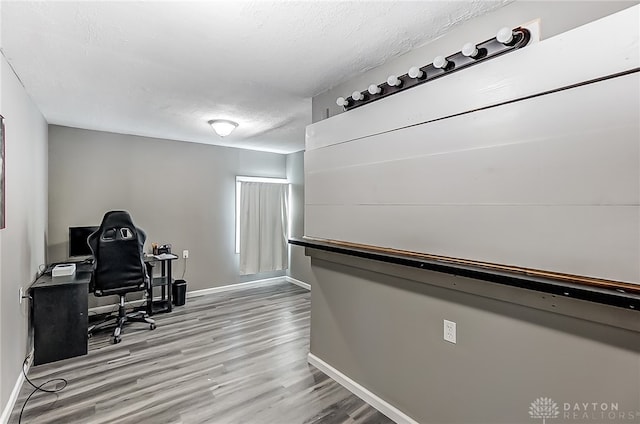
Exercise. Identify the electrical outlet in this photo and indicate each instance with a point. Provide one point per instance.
(450, 331)
(185, 254)
(21, 295)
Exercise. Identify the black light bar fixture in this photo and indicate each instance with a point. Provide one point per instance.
(506, 40)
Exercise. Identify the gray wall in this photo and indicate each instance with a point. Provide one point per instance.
(382, 326)
(179, 193)
(299, 263)
(22, 242)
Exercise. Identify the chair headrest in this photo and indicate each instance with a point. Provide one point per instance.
(117, 219)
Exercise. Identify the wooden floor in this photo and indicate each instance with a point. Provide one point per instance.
(234, 357)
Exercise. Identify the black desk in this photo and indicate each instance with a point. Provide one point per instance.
(59, 315)
(59, 309)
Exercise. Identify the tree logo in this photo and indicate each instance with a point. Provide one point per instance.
(544, 408)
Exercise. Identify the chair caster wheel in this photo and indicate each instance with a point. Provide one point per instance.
(116, 340)
(152, 326)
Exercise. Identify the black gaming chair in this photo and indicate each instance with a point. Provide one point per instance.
(118, 266)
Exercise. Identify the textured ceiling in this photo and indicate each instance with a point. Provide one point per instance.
(163, 69)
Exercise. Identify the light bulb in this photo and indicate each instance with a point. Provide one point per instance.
(505, 35)
(374, 89)
(440, 62)
(341, 101)
(223, 127)
(469, 50)
(357, 95)
(415, 72)
(394, 81)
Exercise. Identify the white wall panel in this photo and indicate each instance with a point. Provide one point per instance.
(532, 173)
(601, 48)
(490, 157)
(550, 183)
(613, 102)
(593, 241)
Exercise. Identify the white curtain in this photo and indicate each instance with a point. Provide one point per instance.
(263, 227)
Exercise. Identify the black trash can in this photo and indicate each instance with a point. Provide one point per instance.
(179, 293)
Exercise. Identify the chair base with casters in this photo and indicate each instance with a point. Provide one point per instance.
(120, 320)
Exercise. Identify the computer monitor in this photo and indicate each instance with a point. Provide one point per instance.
(78, 245)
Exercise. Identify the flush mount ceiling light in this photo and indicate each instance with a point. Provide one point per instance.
(223, 127)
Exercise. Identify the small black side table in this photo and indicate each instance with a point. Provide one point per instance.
(163, 281)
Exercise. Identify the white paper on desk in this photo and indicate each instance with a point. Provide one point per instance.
(163, 256)
(63, 270)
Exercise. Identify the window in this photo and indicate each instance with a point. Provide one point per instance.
(262, 224)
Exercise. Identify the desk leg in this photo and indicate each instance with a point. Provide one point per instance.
(170, 285)
(164, 274)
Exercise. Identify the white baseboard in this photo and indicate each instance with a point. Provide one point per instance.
(371, 398)
(299, 283)
(11, 402)
(196, 293)
(228, 287)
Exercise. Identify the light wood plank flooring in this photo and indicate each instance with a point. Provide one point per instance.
(234, 357)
